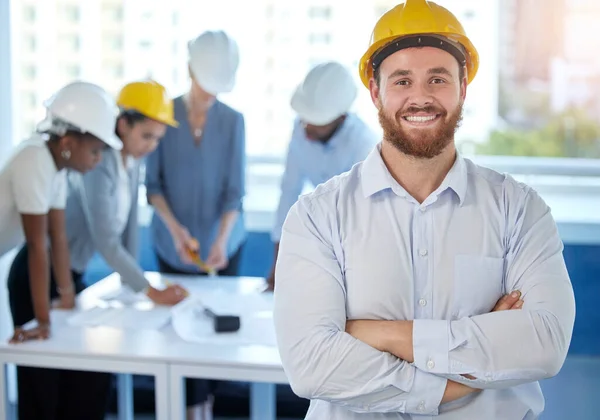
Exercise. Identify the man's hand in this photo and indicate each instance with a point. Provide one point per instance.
(509, 302)
(41, 332)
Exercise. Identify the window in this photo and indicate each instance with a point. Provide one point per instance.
(30, 43)
(319, 38)
(71, 13)
(115, 42)
(546, 103)
(73, 71)
(113, 13)
(269, 11)
(269, 63)
(69, 42)
(115, 70)
(29, 72)
(270, 36)
(30, 100)
(29, 14)
(313, 62)
(541, 85)
(320, 12)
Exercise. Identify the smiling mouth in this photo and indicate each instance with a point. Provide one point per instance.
(420, 119)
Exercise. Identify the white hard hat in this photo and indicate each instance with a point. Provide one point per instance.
(87, 107)
(327, 92)
(214, 60)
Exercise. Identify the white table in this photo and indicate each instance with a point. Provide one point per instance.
(160, 353)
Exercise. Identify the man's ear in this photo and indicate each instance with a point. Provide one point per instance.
(463, 86)
(375, 92)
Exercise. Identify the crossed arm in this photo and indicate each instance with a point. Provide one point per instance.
(396, 337)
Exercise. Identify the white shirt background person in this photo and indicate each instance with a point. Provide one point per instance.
(29, 184)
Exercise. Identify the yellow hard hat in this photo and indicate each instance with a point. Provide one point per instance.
(150, 99)
(400, 28)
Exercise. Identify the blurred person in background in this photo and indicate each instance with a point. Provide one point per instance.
(78, 127)
(327, 139)
(195, 181)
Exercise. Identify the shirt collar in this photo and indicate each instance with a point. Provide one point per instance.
(376, 177)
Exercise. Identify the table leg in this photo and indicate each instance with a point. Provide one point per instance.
(125, 396)
(162, 397)
(263, 402)
(4, 402)
(177, 389)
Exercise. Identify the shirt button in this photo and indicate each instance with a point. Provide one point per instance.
(430, 364)
(422, 302)
(422, 252)
(422, 209)
(421, 406)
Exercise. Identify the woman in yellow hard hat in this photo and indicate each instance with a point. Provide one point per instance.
(102, 206)
(101, 216)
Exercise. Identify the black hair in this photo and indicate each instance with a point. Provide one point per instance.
(131, 117)
(55, 138)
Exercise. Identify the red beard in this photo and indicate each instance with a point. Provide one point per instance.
(425, 143)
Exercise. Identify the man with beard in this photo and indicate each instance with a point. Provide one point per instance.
(327, 138)
(390, 279)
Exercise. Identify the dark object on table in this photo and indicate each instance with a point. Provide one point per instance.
(224, 323)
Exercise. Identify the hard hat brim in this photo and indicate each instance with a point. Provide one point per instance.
(366, 63)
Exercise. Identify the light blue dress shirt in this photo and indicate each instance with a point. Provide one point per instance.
(317, 162)
(360, 247)
(199, 182)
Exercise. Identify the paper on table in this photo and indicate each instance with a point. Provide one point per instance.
(255, 312)
(123, 308)
(124, 295)
(122, 317)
